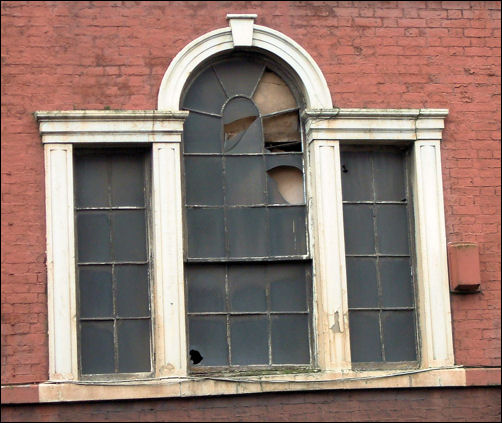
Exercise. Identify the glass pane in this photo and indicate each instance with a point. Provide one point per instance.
(285, 185)
(273, 95)
(247, 232)
(208, 336)
(96, 347)
(247, 287)
(93, 230)
(248, 141)
(128, 178)
(392, 229)
(281, 129)
(365, 336)
(91, 181)
(356, 176)
(206, 287)
(362, 282)
(358, 228)
(399, 335)
(249, 340)
(204, 180)
(134, 345)
(287, 287)
(287, 231)
(206, 234)
(95, 287)
(248, 75)
(129, 235)
(290, 339)
(202, 134)
(389, 176)
(133, 291)
(397, 288)
(245, 180)
(205, 94)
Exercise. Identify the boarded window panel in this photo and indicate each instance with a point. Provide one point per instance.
(358, 227)
(249, 340)
(389, 176)
(357, 184)
(127, 180)
(249, 73)
(249, 140)
(129, 235)
(365, 343)
(392, 229)
(245, 180)
(362, 282)
(95, 287)
(273, 95)
(287, 286)
(96, 346)
(208, 336)
(247, 287)
(204, 180)
(206, 287)
(290, 343)
(206, 233)
(91, 181)
(205, 94)
(287, 231)
(397, 288)
(134, 345)
(202, 134)
(133, 292)
(247, 232)
(399, 335)
(93, 231)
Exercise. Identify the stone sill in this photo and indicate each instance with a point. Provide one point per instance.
(50, 392)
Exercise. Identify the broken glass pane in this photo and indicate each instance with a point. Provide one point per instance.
(95, 287)
(362, 282)
(285, 185)
(96, 347)
(247, 287)
(134, 345)
(287, 231)
(282, 132)
(208, 336)
(205, 94)
(247, 141)
(290, 340)
(247, 232)
(249, 73)
(206, 287)
(245, 180)
(206, 233)
(249, 340)
(273, 95)
(202, 134)
(239, 115)
(365, 343)
(204, 180)
(399, 335)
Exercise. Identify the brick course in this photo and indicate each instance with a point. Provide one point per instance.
(388, 54)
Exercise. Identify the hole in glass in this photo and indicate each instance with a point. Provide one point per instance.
(289, 181)
(273, 95)
(195, 356)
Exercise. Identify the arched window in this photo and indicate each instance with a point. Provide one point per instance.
(247, 264)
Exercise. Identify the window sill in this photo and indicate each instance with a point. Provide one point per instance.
(210, 386)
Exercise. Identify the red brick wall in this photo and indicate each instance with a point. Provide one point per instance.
(111, 54)
(420, 405)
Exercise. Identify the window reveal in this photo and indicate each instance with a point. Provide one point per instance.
(378, 256)
(247, 270)
(112, 262)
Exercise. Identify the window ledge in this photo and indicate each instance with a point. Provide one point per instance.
(209, 386)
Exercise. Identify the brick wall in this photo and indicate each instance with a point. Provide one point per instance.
(420, 405)
(112, 54)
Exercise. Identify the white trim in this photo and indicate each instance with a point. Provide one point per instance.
(315, 88)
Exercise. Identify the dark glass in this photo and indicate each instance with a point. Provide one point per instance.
(248, 72)
(95, 288)
(392, 229)
(365, 343)
(208, 336)
(290, 340)
(133, 294)
(275, 160)
(249, 340)
(358, 228)
(249, 140)
(362, 284)
(96, 347)
(91, 181)
(134, 345)
(204, 180)
(395, 276)
(206, 287)
(357, 184)
(93, 234)
(127, 180)
(399, 335)
(287, 286)
(389, 176)
(129, 235)
(206, 233)
(202, 134)
(287, 231)
(245, 180)
(247, 232)
(205, 94)
(247, 284)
